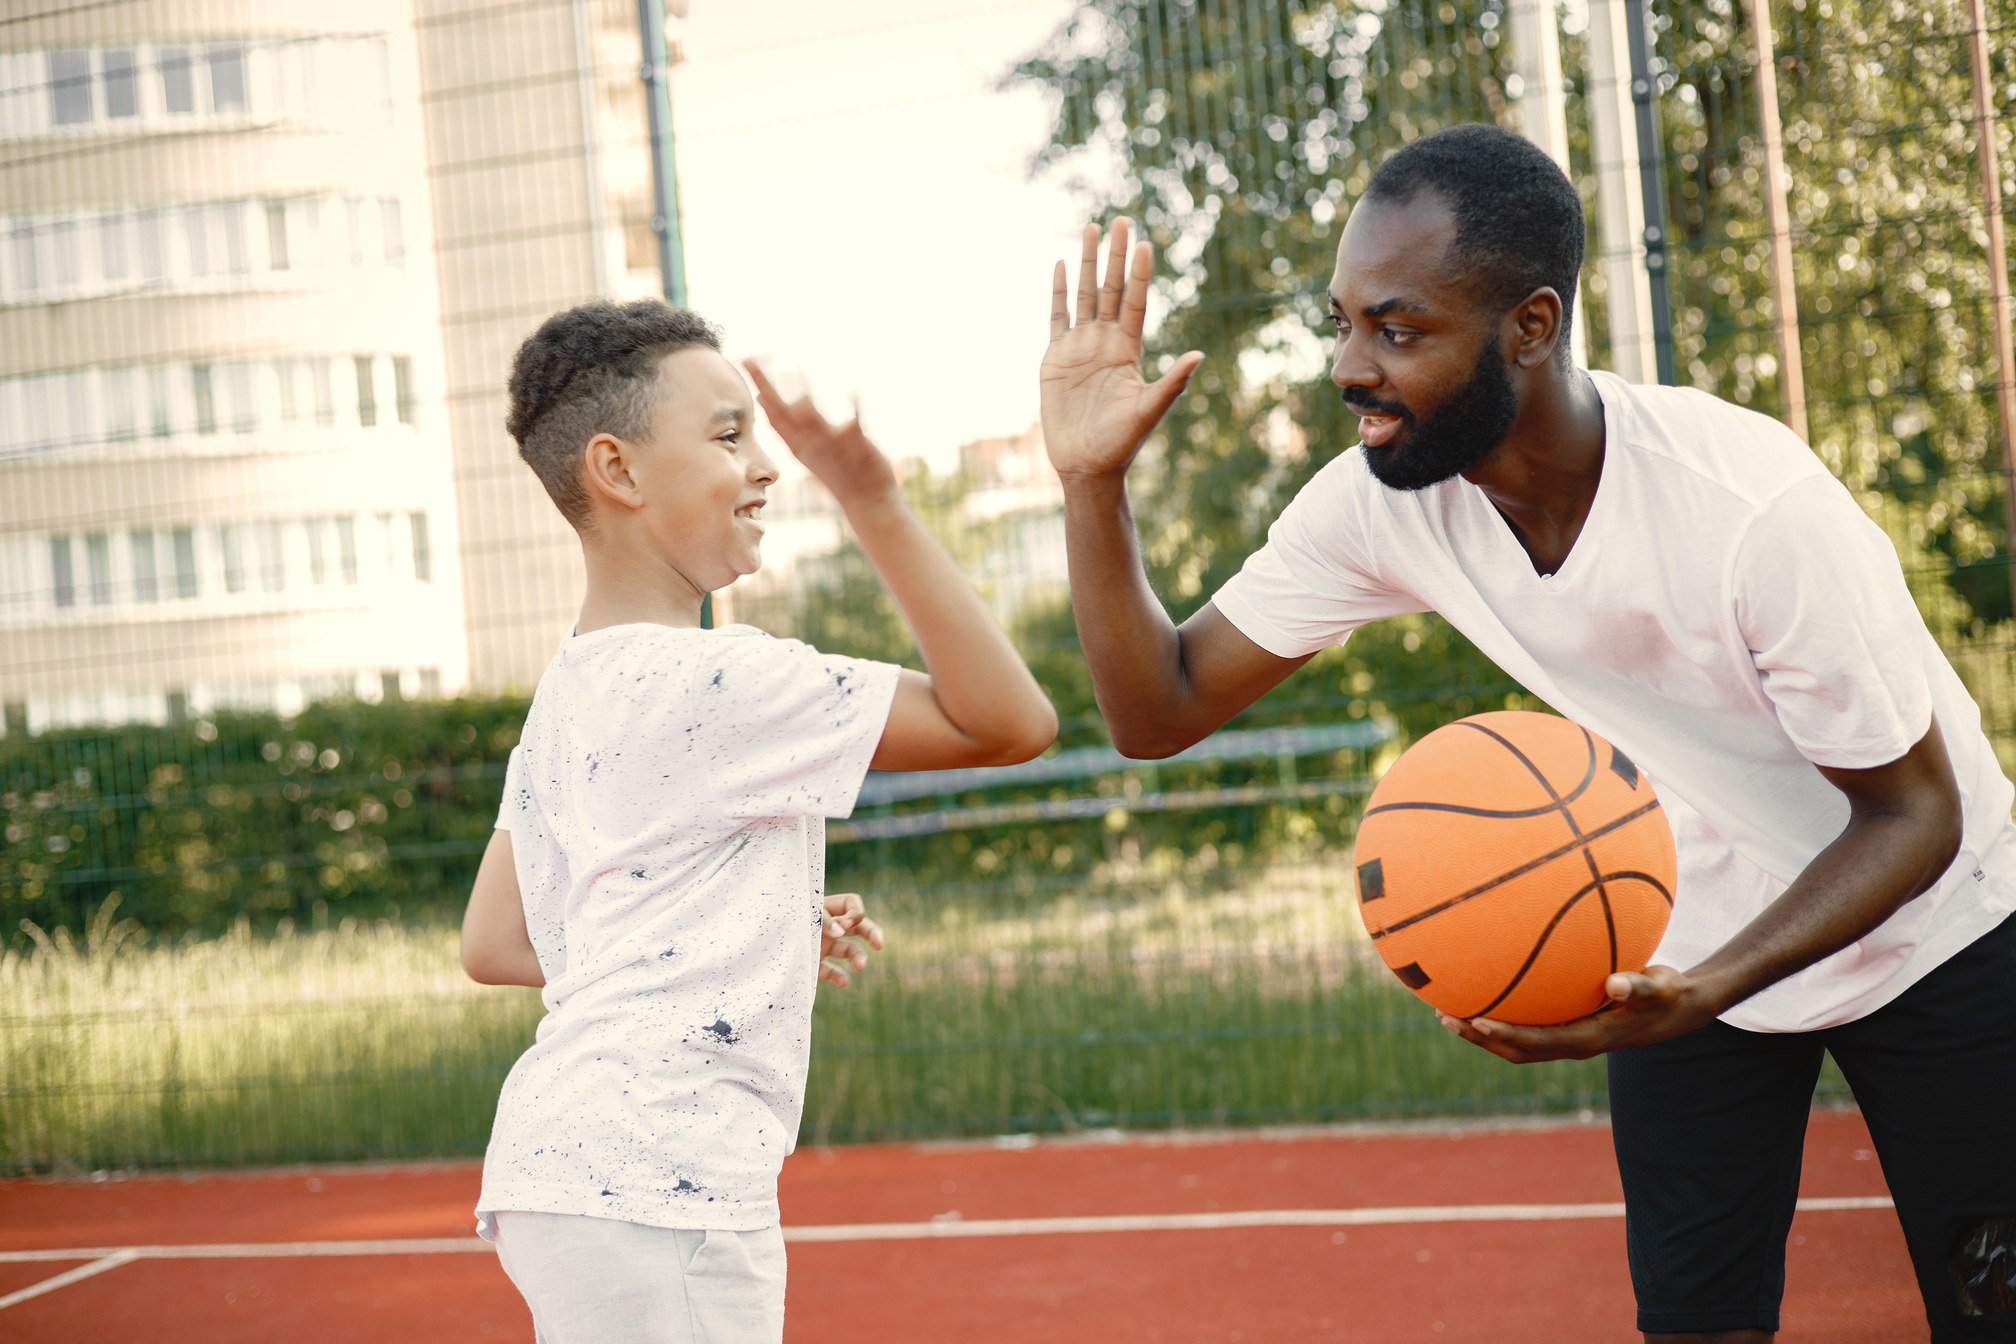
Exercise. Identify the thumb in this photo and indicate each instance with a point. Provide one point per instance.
(1626, 986)
(1162, 393)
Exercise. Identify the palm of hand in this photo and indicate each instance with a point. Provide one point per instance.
(1097, 408)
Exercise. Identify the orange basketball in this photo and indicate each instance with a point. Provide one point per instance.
(1509, 862)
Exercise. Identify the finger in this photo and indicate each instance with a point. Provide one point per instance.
(828, 971)
(1116, 271)
(868, 930)
(1060, 301)
(1134, 300)
(1162, 393)
(1088, 275)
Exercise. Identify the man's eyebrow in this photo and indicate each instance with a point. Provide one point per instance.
(1396, 306)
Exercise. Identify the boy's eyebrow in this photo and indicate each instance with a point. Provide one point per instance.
(729, 412)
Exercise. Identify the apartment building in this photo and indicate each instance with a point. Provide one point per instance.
(262, 268)
(225, 460)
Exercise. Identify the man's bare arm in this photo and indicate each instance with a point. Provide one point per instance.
(1904, 827)
(1160, 688)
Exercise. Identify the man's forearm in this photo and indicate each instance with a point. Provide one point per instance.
(1872, 870)
(1131, 646)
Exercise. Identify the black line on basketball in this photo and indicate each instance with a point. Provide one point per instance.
(1521, 870)
(1461, 810)
(1588, 774)
(1534, 955)
(1646, 878)
(1609, 920)
(1371, 882)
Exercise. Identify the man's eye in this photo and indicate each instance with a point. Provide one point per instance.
(1401, 337)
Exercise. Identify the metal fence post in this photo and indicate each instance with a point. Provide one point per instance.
(1784, 293)
(1645, 116)
(1543, 108)
(655, 73)
(1998, 267)
(1620, 203)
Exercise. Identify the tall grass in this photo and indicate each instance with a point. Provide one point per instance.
(1159, 1001)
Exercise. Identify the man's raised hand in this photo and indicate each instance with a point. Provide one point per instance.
(1097, 408)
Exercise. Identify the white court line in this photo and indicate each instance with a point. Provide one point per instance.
(68, 1277)
(977, 1227)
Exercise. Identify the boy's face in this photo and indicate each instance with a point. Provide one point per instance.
(702, 475)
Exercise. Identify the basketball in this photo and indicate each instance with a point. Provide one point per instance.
(1509, 862)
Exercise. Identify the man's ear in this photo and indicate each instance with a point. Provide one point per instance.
(605, 469)
(1536, 323)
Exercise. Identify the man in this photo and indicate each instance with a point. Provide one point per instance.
(1683, 577)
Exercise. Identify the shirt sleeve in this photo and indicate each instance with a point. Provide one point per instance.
(1838, 643)
(514, 784)
(1307, 588)
(786, 730)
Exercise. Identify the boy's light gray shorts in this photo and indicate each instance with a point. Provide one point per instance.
(600, 1281)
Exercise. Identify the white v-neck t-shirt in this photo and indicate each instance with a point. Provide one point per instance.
(666, 807)
(1728, 617)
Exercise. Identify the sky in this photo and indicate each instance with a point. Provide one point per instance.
(856, 203)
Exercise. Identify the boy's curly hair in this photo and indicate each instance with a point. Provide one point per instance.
(592, 370)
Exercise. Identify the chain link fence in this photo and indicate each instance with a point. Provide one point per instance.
(228, 881)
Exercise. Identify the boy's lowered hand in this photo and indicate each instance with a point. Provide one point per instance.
(846, 935)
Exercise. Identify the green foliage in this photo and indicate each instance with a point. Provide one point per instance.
(348, 810)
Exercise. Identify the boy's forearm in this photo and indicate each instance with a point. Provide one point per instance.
(977, 677)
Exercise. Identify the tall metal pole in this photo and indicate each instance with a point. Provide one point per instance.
(1620, 205)
(1998, 268)
(1650, 185)
(1784, 295)
(1543, 107)
(656, 74)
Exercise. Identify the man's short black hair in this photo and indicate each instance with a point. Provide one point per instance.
(1518, 218)
(593, 370)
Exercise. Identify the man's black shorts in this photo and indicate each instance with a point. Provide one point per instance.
(1709, 1130)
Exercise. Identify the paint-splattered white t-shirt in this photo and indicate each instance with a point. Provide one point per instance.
(665, 807)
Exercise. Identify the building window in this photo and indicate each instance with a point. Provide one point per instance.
(205, 397)
(112, 246)
(70, 87)
(153, 249)
(227, 78)
(402, 387)
(178, 88)
(423, 557)
(122, 83)
(146, 577)
(367, 395)
(353, 214)
(393, 232)
(62, 576)
(98, 568)
(184, 546)
(122, 422)
(244, 411)
(272, 557)
(318, 563)
(63, 248)
(231, 540)
(276, 235)
(196, 230)
(346, 546)
(27, 275)
(159, 423)
(325, 392)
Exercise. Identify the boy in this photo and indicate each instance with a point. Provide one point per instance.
(658, 862)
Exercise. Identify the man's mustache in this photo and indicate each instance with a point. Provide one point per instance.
(1364, 403)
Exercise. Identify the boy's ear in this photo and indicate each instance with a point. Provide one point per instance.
(605, 469)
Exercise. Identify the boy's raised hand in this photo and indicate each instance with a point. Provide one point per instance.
(841, 456)
(1097, 408)
(846, 935)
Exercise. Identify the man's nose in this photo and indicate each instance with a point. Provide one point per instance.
(1350, 368)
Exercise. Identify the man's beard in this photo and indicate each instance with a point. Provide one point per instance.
(1461, 432)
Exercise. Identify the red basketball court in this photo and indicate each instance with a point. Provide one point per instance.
(1487, 1233)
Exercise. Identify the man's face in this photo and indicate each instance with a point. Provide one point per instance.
(1417, 359)
(702, 473)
